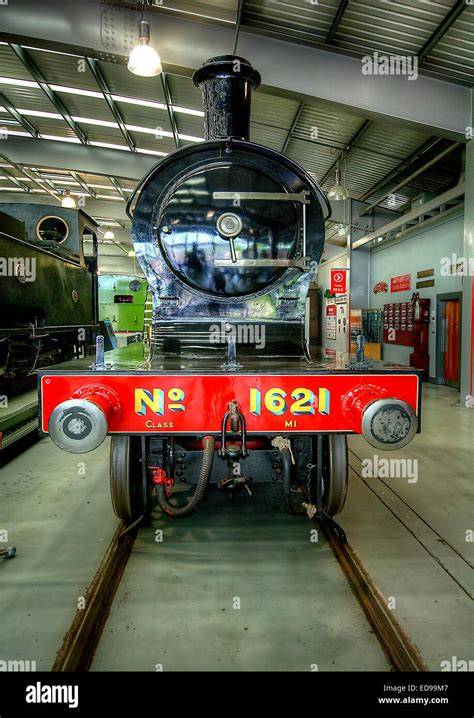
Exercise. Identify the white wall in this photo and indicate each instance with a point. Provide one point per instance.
(423, 250)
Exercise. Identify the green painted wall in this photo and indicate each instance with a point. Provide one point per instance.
(124, 317)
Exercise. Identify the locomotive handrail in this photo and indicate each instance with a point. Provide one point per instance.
(302, 263)
(276, 196)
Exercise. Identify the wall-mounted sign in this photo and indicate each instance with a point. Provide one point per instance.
(401, 283)
(330, 327)
(338, 281)
(425, 273)
(425, 283)
(456, 268)
(380, 287)
(331, 314)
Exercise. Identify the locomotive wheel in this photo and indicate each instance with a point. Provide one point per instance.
(335, 473)
(126, 477)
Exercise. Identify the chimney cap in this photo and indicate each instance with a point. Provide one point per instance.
(225, 66)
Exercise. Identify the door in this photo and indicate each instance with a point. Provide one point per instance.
(449, 339)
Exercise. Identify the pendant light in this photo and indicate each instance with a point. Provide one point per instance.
(68, 201)
(108, 234)
(338, 191)
(144, 59)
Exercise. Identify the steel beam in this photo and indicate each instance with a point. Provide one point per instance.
(83, 183)
(80, 158)
(26, 124)
(99, 78)
(29, 173)
(293, 125)
(118, 187)
(37, 75)
(337, 19)
(404, 164)
(238, 22)
(445, 198)
(442, 29)
(412, 176)
(169, 107)
(429, 104)
(15, 180)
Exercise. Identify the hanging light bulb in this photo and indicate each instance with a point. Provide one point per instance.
(144, 60)
(108, 234)
(338, 191)
(68, 201)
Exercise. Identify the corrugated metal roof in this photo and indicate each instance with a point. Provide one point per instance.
(454, 54)
(48, 126)
(27, 98)
(220, 10)
(103, 134)
(314, 158)
(184, 93)
(10, 65)
(389, 139)
(321, 122)
(148, 142)
(273, 137)
(297, 20)
(189, 124)
(274, 111)
(62, 69)
(363, 169)
(122, 82)
(83, 106)
(400, 27)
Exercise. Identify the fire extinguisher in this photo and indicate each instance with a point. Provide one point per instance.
(416, 306)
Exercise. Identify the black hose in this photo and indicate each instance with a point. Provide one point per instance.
(180, 512)
(287, 482)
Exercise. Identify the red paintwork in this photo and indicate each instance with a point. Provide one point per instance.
(104, 397)
(207, 396)
(355, 402)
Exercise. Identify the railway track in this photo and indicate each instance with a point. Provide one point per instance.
(81, 641)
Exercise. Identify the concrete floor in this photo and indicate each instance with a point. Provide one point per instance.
(415, 537)
(56, 509)
(175, 605)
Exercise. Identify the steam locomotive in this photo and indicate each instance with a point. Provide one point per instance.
(228, 234)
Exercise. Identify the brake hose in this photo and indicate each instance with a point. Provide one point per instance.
(180, 512)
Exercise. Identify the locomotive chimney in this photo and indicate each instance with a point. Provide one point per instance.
(226, 83)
